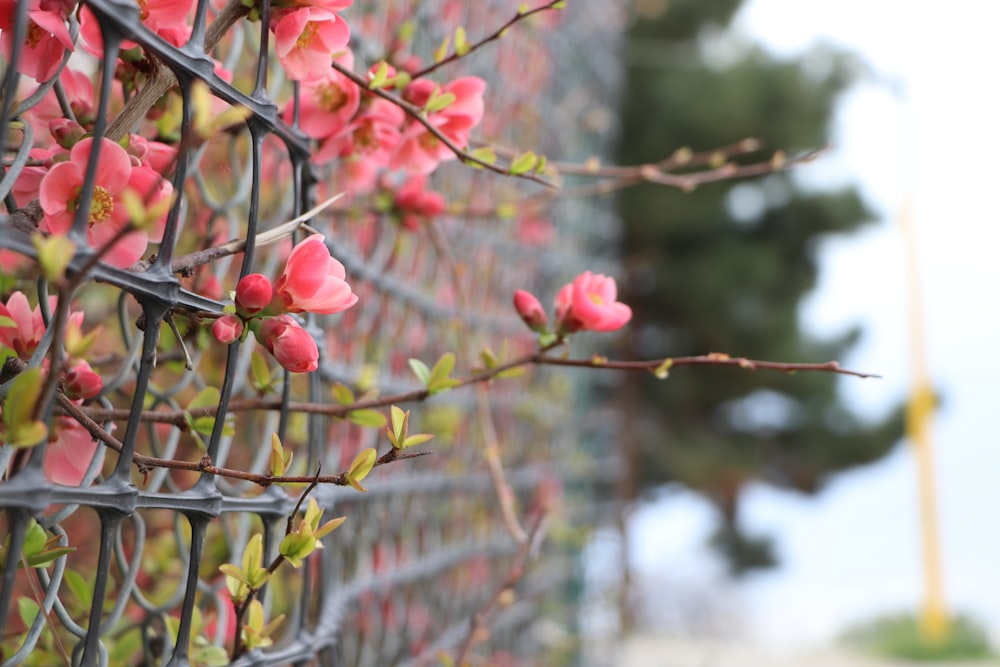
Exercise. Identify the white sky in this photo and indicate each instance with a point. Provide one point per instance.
(854, 551)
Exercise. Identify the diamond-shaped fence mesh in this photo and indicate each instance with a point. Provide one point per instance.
(426, 547)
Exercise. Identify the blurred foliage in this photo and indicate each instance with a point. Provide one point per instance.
(898, 636)
(726, 267)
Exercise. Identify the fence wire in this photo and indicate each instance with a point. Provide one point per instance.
(426, 546)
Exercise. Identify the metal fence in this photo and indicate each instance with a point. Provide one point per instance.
(426, 547)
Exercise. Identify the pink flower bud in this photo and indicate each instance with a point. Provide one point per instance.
(82, 382)
(253, 293)
(66, 132)
(290, 344)
(531, 311)
(227, 328)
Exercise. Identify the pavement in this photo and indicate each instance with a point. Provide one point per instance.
(660, 651)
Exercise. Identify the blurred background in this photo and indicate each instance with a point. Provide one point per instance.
(782, 511)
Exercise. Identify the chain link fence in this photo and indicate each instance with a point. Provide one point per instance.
(425, 548)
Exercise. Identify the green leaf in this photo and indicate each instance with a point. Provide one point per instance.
(207, 398)
(441, 52)
(260, 371)
(380, 76)
(27, 609)
(79, 587)
(203, 425)
(461, 45)
(399, 419)
(329, 527)
(363, 464)
(342, 394)
(523, 163)
(442, 369)
(6, 322)
(416, 439)
(439, 101)
(663, 370)
(367, 417)
(420, 369)
(296, 547)
(22, 429)
(483, 154)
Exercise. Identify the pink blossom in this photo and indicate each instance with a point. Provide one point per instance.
(414, 202)
(313, 281)
(530, 309)
(305, 40)
(81, 382)
(373, 135)
(253, 293)
(590, 303)
(47, 38)
(290, 344)
(227, 328)
(326, 102)
(165, 17)
(70, 452)
(59, 196)
(421, 151)
(23, 337)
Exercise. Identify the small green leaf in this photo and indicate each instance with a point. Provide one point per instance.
(342, 394)
(398, 422)
(523, 163)
(483, 154)
(329, 527)
(381, 75)
(7, 323)
(439, 101)
(207, 398)
(367, 417)
(296, 547)
(27, 609)
(420, 369)
(441, 52)
(461, 45)
(442, 369)
(79, 587)
(663, 370)
(260, 372)
(22, 429)
(416, 439)
(363, 464)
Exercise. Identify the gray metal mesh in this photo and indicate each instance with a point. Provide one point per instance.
(425, 547)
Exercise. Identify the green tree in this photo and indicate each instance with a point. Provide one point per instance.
(724, 269)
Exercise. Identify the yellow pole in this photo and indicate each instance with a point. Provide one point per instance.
(920, 409)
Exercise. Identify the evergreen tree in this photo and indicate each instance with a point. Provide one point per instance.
(724, 269)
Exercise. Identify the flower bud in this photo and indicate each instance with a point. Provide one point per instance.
(227, 328)
(531, 311)
(290, 344)
(82, 382)
(253, 293)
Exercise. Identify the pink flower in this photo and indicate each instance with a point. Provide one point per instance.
(290, 344)
(414, 203)
(590, 303)
(305, 40)
(313, 281)
(81, 382)
(421, 151)
(23, 337)
(373, 135)
(164, 17)
(253, 293)
(59, 196)
(528, 307)
(47, 39)
(326, 102)
(227, 328)
(69, 454)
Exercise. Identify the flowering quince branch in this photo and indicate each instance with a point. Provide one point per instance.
(460, 51)
(419, 115)
(505, 594)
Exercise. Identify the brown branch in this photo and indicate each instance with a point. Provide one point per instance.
(419, 115)
(504, 594)
(520, 16)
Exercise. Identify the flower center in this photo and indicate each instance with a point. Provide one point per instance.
(331, 97)
(308, 35)
(143, 10)
(102, 205)
(35, 34)
(596, 299)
